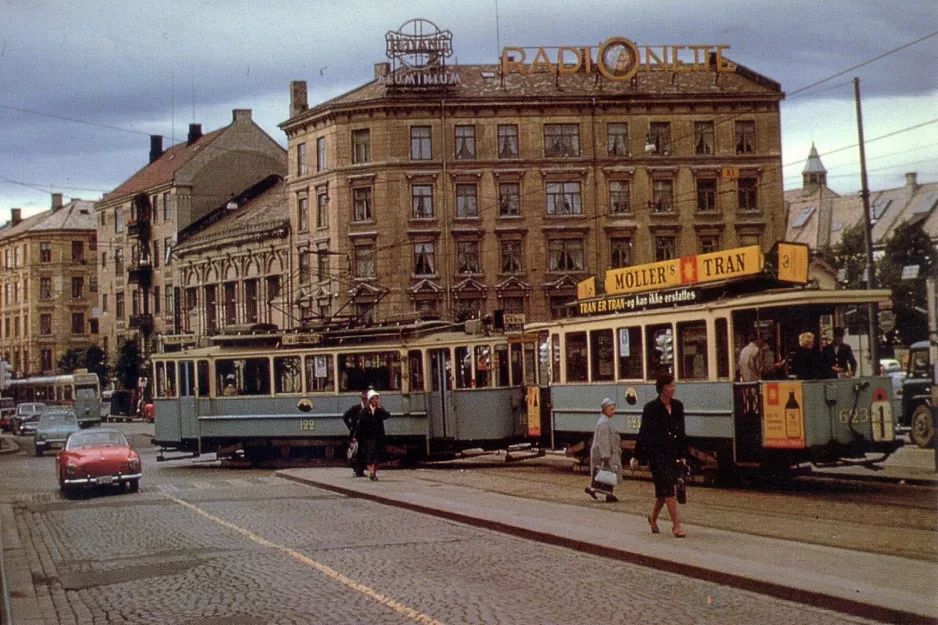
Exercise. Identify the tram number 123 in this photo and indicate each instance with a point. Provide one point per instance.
(307, 425)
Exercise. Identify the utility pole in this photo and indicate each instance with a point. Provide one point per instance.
(868, 235)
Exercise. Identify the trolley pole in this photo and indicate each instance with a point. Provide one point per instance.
(868, 235)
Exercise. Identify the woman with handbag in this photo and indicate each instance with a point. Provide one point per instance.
(605, 454)
(371, 432)
(662, 443)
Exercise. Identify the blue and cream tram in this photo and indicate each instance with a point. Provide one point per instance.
(80, 391)
(690, 317)
(447, 388)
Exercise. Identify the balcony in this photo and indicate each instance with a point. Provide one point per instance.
(143, 323)
(141, 274)
(139, 228)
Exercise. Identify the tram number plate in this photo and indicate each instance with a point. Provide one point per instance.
(307, 425)
(857, 415)
(633, 421)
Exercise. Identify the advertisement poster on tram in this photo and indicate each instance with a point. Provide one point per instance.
(534, 411)
(783, 416)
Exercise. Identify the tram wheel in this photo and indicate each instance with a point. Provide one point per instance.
(922, 430)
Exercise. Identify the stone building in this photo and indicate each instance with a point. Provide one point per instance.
(460, 190)
(139, 222)
(48, 286)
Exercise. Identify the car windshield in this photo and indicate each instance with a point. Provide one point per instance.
(58, 418)
(95, 439)
(29, 409)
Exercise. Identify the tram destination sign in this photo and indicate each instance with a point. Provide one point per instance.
(639, 301)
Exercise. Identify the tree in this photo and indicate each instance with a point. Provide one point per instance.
(127, 367)
(72, 359)
(849, 259)
(92, 358)
(908, 245)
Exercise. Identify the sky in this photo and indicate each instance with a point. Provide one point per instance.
(83, 84)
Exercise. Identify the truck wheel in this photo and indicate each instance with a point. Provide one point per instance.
(922, 430)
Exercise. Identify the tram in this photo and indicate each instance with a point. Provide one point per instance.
(690, 318)
(448, 387)
(80, 391)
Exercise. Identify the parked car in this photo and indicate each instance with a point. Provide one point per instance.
(98, 457)
(7, 410)
(26, 416)
(916, 414)
(122, 407)
(54, 427)
(889, 365)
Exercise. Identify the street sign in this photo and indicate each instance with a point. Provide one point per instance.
(910, 272)
(887, 321)
(730, 173)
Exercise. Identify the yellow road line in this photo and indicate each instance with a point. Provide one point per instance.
(397, 606)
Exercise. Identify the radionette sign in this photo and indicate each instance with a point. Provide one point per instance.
(417, 51)
(617, 59)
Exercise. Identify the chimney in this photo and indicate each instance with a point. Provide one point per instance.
(16, 215)
(156, 147)
(911, 179)
(239, 115)
(195, 132)
(56, 201)
(382, 69)
(298, 101)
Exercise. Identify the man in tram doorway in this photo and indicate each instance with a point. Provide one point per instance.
(350, 418)
(750, 358)
(606, 452)
(838, 358)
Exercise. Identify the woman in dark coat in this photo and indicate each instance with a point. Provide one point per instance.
(371, 432)
(805, 360)
(662, 443)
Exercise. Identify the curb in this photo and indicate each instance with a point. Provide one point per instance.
(9, 446)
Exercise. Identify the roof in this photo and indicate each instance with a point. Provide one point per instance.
(163, 169)
(76, 215)
(813, 164)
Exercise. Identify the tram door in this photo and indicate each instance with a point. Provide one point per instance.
(188, 422)
(439, 402)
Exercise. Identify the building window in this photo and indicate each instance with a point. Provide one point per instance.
(168, 250)
(617, 139)
(135, 303)
(513, 305)
(301, 166)
(747, 194)
(507, 141)
(321, 163)
(78, 288)
(302, 214)
(420, 149)
(231, 303)
(665, 248)
(93, 326)
(422, 201)
(703, 138)
(561, 140)
(361, 198)
(663, 196)
(45, 324)
(118, 221)
(304, 269)
(45, 289)
(78, 251)
(167, 206)
(424, 259)
(119, 306)
(104, 306)
(78, 323)
(322, 265)
(620, 252)
(709, 243)
(659, 136)
(706, 195)
(322, 210)
(465, 143)
(563, 198)
(93, 284)
(361, 146)
(745, 137)
(467, 201)
(619, 197)
(103, 256)
(119, 262)
(156, 300)
(565, 255)
(156, 254)
(45, 359)
(45, 252)
(467, 257)
(509, 199)
(364, 261)
(93, 243)
(211, 309)
(168, 301)
(511, 256)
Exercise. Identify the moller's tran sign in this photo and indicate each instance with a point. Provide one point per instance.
(699, 269)
(617, 58)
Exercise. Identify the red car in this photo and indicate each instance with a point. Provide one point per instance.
(98, 457)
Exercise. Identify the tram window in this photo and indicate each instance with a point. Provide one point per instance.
(692, 343)
(576, 357)
(440, 370)
(415, 370)
(555, 358)
(630, 353)
(379, 370)
(517, 363)
(202, 378)
(483, 355)
(287, 375)
(601, 354)
(170, 390)
(159, 374)
(187, 379)
(723, 348)
(463, 367)
(319, 376)
(85, 392)
(502, 371)
(66, 393)
(251, 376)
(660, 350)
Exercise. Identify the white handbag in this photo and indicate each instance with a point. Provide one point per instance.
(606, 477)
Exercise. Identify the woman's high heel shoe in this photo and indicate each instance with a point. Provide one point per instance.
(653, 525)
(678, 533)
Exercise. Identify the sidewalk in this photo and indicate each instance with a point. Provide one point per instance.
(885, 588)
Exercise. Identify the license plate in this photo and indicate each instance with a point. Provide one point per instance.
(104, 479)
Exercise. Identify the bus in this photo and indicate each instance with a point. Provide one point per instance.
(80, 391)
(694, 328)
(257, 396)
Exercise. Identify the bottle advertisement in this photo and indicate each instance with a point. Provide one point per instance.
(783, 416)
